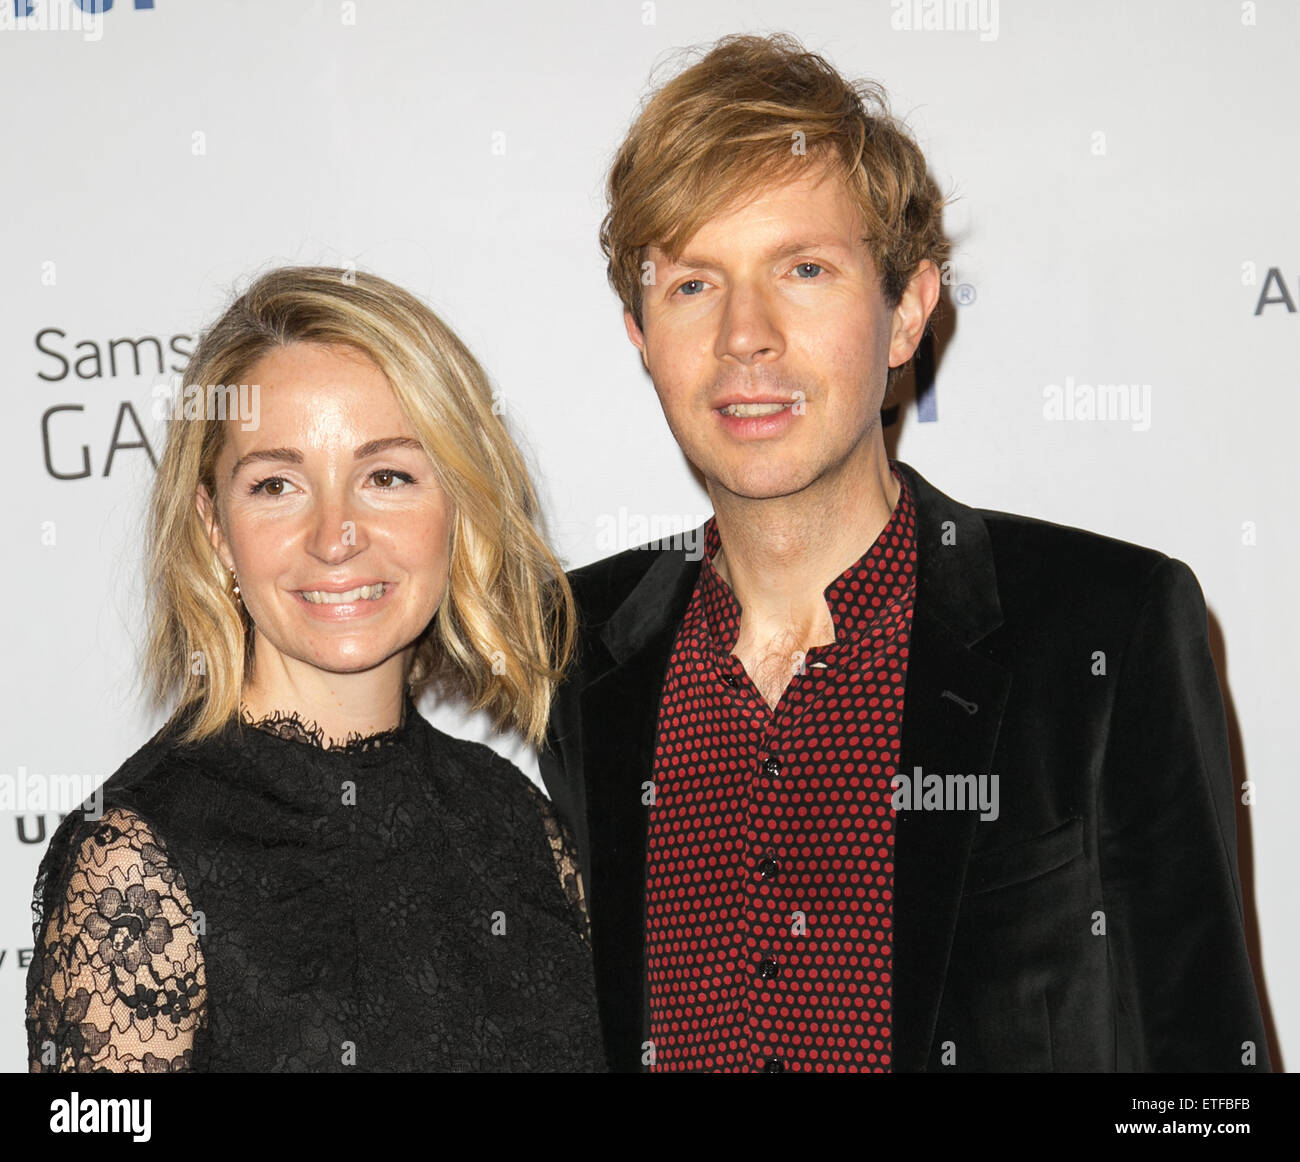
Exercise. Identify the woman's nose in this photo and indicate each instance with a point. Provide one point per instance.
(336, 532)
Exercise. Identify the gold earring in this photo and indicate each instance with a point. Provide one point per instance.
(236, 581)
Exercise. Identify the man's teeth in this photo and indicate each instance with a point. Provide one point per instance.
(365, 593)
(754, 409)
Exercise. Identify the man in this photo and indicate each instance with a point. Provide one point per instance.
(883, 782)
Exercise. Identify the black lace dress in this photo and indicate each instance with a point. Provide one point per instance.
(261, 902)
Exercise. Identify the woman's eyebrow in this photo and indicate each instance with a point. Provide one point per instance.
(280, 455)
(293, 456)
(369, 449)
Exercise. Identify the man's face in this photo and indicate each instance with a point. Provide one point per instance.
(769, 341)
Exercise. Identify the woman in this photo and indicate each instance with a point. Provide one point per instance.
(299, 872)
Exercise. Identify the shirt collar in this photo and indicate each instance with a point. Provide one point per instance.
(880, 577)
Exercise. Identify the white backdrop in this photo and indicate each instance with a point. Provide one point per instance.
(1127, 178)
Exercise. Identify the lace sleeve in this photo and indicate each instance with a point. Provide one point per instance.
(116, 982)
(566, 857)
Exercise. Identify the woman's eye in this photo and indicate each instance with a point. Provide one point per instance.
(272, 486)
(808, 269)
(693, 282)
(385, 477)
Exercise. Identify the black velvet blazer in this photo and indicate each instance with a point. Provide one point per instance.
(1096, 923)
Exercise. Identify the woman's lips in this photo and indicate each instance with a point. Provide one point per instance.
(341, 597)
(359, 601)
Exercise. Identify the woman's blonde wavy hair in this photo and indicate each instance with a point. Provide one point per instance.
(504, 630)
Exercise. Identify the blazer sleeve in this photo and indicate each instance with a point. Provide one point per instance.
(1168, 850)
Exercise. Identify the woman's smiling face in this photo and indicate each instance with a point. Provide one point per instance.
(331, 515)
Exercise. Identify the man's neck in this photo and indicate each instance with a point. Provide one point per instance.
(779, 555)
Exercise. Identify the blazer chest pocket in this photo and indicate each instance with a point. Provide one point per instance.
(1025, 861)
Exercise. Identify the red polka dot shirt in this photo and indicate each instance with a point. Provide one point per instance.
(769, 875)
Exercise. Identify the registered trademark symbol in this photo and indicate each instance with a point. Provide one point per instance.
(965, 294)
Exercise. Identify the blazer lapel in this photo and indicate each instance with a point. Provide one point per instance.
(619, 714)
(952, 709)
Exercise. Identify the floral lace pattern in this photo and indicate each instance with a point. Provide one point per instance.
(262, 902)
(287, 724)
(565, 852)
(122, 980)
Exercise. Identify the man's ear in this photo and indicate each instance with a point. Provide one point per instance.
(636, 336)
(912, 313)
(208, 515)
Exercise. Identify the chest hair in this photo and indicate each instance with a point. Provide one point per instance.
(772, 663)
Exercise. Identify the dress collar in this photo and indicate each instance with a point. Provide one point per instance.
(289, 726)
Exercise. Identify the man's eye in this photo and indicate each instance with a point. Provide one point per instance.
(808, 269)
(693, 282)
(272, 486)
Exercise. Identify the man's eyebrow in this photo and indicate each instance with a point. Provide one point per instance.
(293, 456)
(780, 250)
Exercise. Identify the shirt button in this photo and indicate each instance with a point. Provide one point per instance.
(774, 1065)
(768, 868)
(769, 969)
(771, 768)
(730, 680)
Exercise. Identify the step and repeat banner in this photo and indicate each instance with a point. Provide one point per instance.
(1117, 348)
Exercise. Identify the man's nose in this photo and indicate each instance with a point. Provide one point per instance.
(750, 330)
